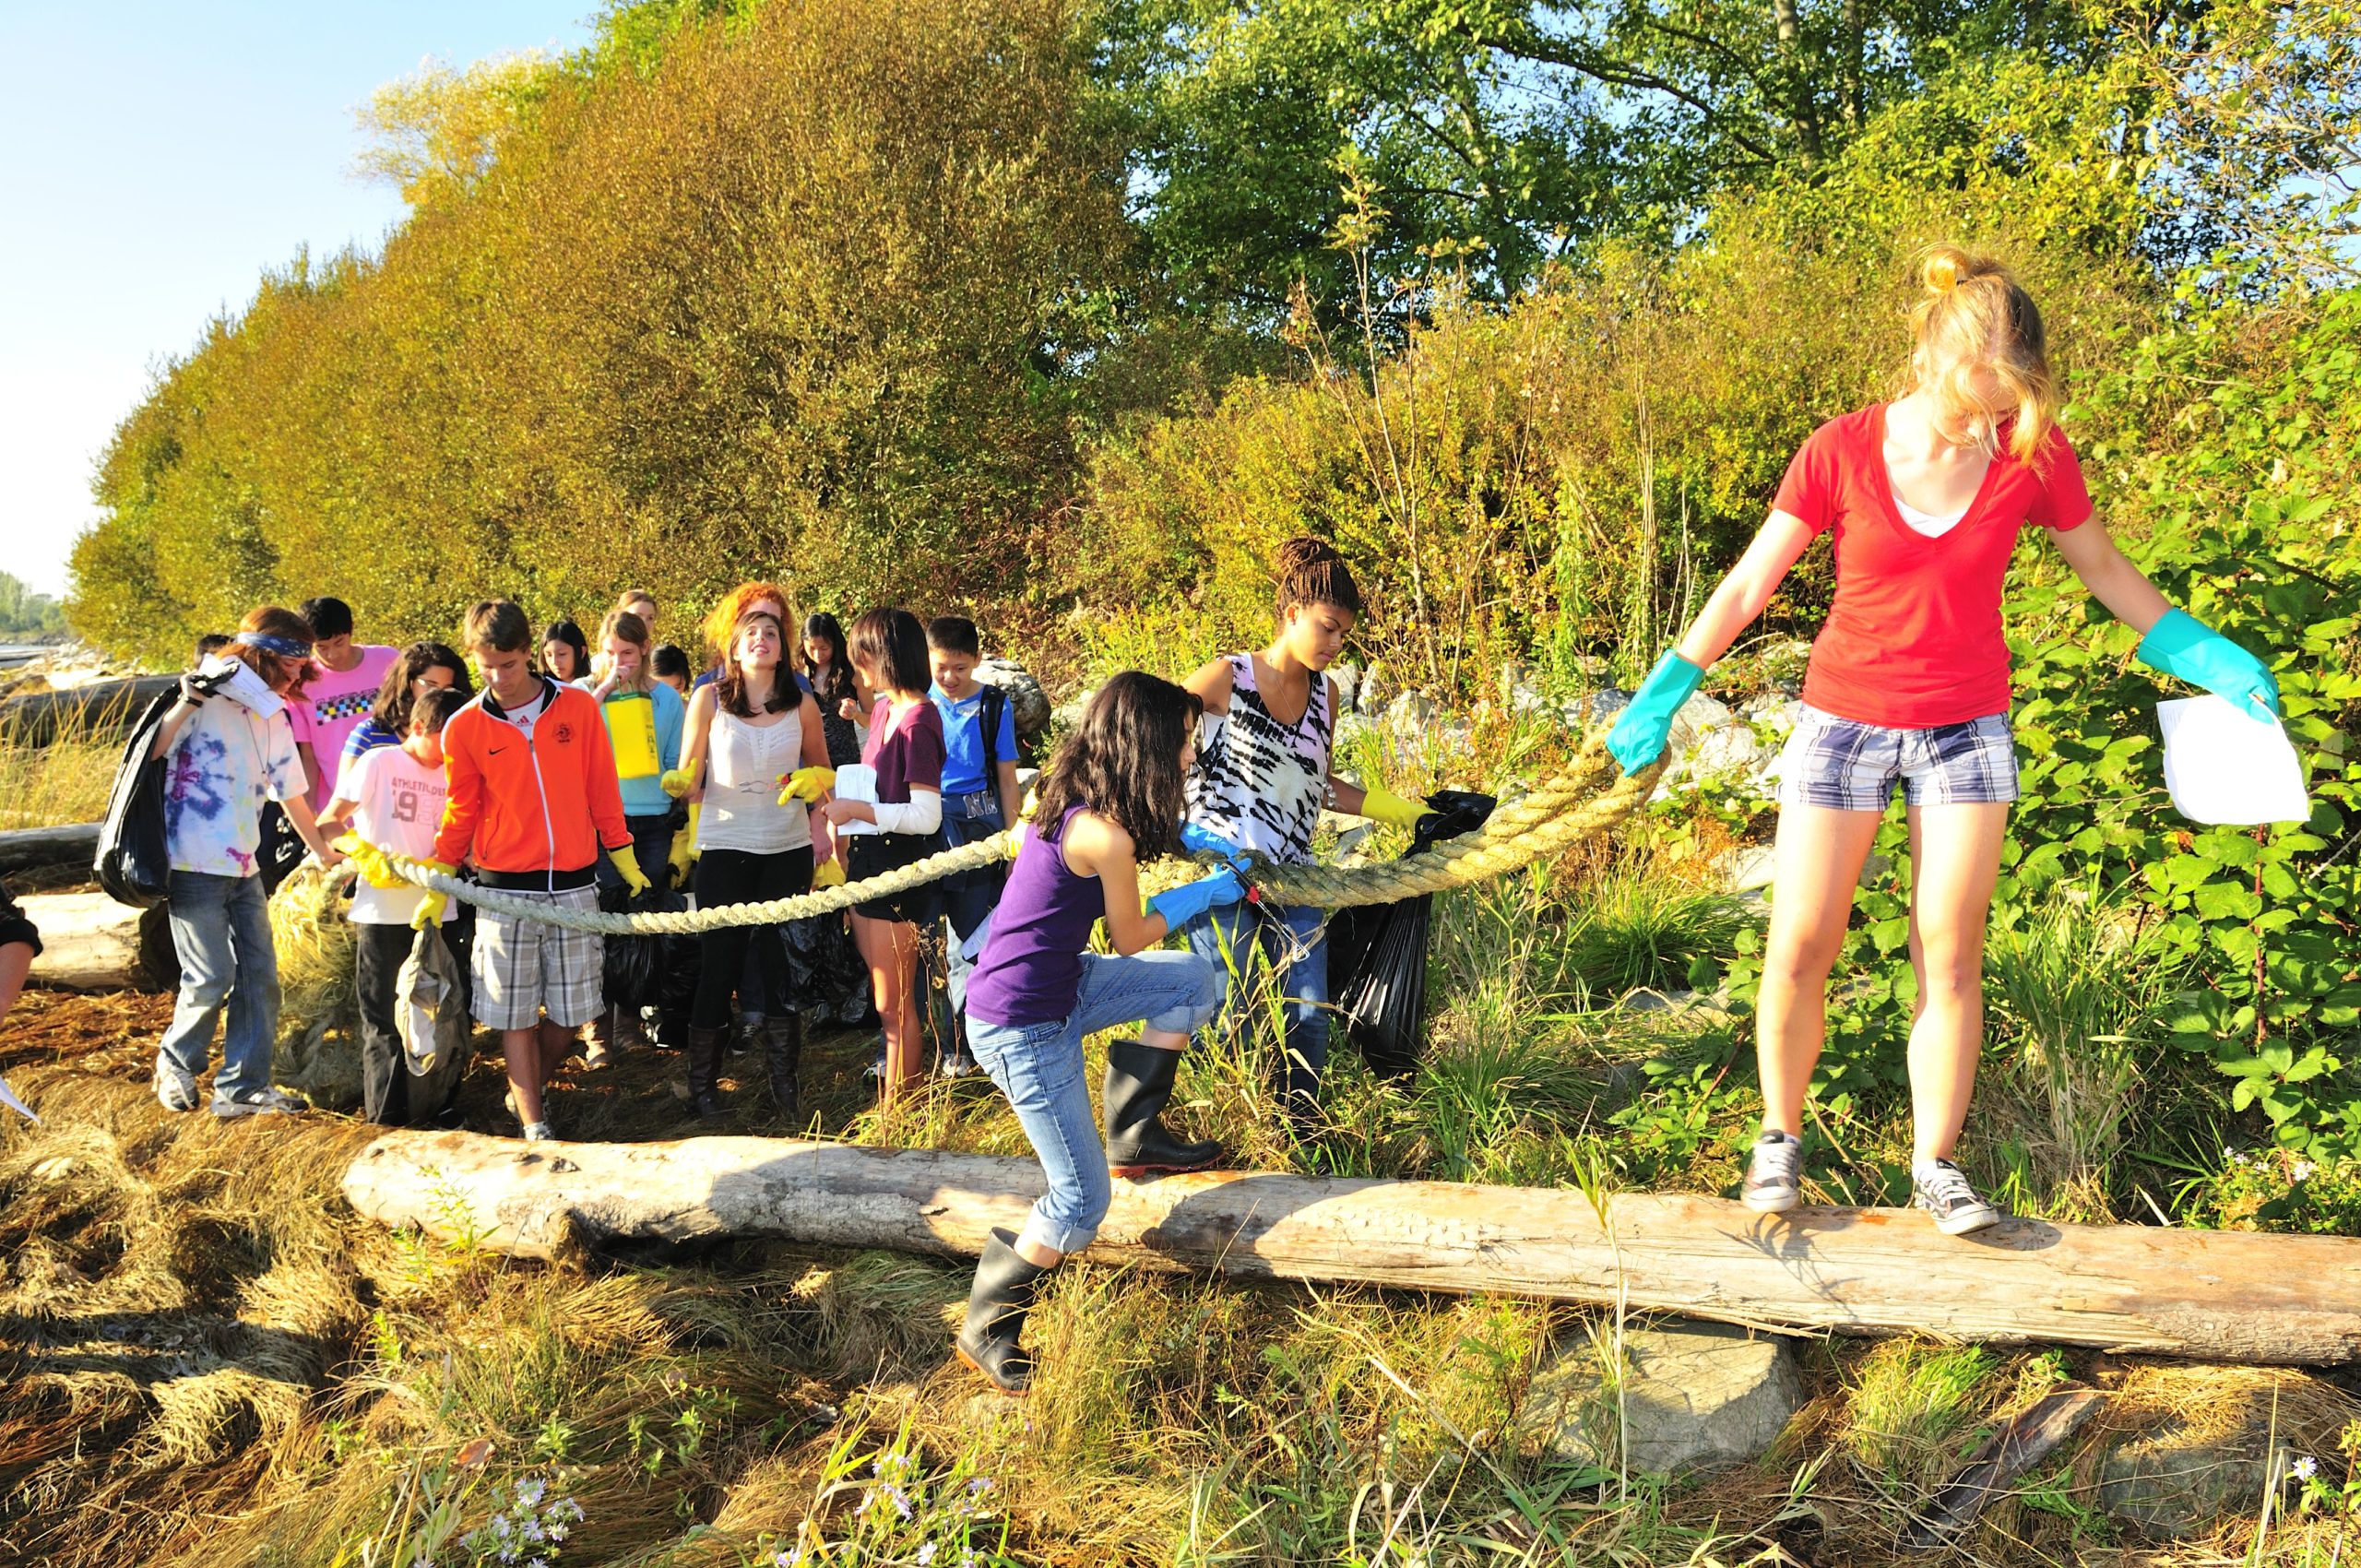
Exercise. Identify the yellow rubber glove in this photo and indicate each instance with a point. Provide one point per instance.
(1380, 804)
(808, 784)
(431, 907)
(627, 866)
(829, 873)
(684, 849)
(677, 781)
(370, 861)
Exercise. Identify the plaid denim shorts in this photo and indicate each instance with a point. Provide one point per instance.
(522, 967)
(1847, 765)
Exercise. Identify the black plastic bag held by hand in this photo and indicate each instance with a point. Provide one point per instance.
(633, 962)
(134, 865)
(1377, 953)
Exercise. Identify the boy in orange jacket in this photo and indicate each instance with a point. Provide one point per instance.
(533, 798)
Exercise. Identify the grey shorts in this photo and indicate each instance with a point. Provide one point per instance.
(523, 967)
(1850, 767)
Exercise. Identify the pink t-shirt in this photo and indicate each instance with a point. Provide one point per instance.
(332, 707)
(398, 804)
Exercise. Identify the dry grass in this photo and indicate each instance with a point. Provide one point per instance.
(63, 783)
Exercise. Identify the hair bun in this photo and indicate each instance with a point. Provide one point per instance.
(1942, 272)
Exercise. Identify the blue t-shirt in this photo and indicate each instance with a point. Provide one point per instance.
(963, 741)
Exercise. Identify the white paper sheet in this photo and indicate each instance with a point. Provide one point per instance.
(9, 1098)
(857, 781)
(2222, 764)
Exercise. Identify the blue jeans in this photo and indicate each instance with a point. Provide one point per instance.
(1038, 1067)
(221, 931)
(1293, 946)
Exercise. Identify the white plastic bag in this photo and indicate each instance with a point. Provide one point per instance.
(2223, 765)
(431, 1016)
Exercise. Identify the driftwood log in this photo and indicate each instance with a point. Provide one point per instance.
(102, 711)
(38, 848)
(90, 942)
(2210, 1295)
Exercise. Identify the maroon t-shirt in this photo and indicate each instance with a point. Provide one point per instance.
(906, 751)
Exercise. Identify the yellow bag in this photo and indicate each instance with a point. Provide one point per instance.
(631, 726)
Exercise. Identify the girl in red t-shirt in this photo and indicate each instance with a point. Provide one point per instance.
(1923, 499)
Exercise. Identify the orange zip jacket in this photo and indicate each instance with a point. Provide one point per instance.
(542, 803)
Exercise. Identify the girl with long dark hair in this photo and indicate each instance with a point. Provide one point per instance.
(1114, 797)
(828, 671)
(423, 667)
(565, 653)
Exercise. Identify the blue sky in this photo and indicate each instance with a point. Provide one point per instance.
(163, 156)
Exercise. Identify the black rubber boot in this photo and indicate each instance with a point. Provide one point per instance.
(783, 1061)
(1139, 1083)
(704, 1072)
(1004, 1291)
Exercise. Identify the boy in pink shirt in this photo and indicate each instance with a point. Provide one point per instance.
(343, 687)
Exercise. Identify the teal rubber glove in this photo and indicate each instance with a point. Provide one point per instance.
(1642, 727)
(2187, 648)
(1199, 839)
(1181, 905)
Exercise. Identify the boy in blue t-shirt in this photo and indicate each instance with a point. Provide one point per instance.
(978, 798)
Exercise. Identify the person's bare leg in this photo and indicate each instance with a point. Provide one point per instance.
(1954, 860)
(1819, 853)
(1163, 1040)
(880, 945)
(904, 1041)
(1037, 1254)
(557, 1042)
(522, 1051)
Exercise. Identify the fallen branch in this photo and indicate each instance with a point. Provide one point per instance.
(2210, 1295)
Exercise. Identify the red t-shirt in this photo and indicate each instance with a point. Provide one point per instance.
(1914, 638)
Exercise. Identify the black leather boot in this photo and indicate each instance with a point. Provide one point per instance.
(704, 1072)
(783, 1061)
(1004, 1291)
(1139, 1083)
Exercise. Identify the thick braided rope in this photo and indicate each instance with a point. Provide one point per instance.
(1554, 816)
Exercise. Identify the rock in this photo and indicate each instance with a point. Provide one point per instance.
(1694, 1393)
(1748, 867)
(1773, 711)
(1600, 707)
(1723, 753)
(1029, 703)
(1410, 715)
(1698, 717)
(1348, 678)
(2180, 1480)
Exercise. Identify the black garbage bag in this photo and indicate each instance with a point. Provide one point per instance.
(134, 865)
(631, 980)
(670, 982)
(826, 969)
(281, 850)
(1377, 953)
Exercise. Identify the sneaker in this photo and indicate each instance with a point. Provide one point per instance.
(539, 1132)
(1936, 1186)
(1773, 1174)
(875, 1072)
(954, 1064)
(175, 1090)
(258, 1103)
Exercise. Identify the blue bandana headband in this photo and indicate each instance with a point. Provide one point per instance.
(286, 647)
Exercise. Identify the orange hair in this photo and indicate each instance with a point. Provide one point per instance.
(1974, 315)
(723, 624)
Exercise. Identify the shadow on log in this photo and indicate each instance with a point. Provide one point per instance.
(38, 848)
(2211, 1295)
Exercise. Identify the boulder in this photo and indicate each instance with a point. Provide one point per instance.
(1694, 1394)
(2182, 1480)
(1028, 703)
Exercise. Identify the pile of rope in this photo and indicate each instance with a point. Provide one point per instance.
(1560, 812)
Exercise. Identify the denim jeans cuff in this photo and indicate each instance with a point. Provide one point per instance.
(1059, 1238)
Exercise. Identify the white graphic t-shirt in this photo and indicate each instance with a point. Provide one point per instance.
(398, 803)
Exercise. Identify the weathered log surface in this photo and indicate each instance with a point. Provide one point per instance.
(2211, 1295)
(90, 942)
(102, 710)
(37, 849)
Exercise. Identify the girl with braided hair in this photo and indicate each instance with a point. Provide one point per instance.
(1263, 774)
(1924, 498)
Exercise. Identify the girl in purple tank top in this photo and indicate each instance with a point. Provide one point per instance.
(1112, 797)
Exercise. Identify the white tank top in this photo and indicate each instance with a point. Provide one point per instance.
(742, 783)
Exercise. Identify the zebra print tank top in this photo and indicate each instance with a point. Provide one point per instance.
(1260, 783)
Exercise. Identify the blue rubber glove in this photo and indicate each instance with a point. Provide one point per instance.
(2183, 646)
(1181, 905)
(1199, 839)
(1641, 730)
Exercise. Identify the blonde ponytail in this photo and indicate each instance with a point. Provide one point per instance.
(1976, 315)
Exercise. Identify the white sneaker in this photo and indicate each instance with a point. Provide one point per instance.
(539, 1132)
(1936, 1186)
(257, 1103)
(175, 1090)
(1773, 1174)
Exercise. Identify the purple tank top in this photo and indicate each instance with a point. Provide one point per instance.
(1030, 969)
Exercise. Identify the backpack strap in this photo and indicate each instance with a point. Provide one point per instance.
(996, 704)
